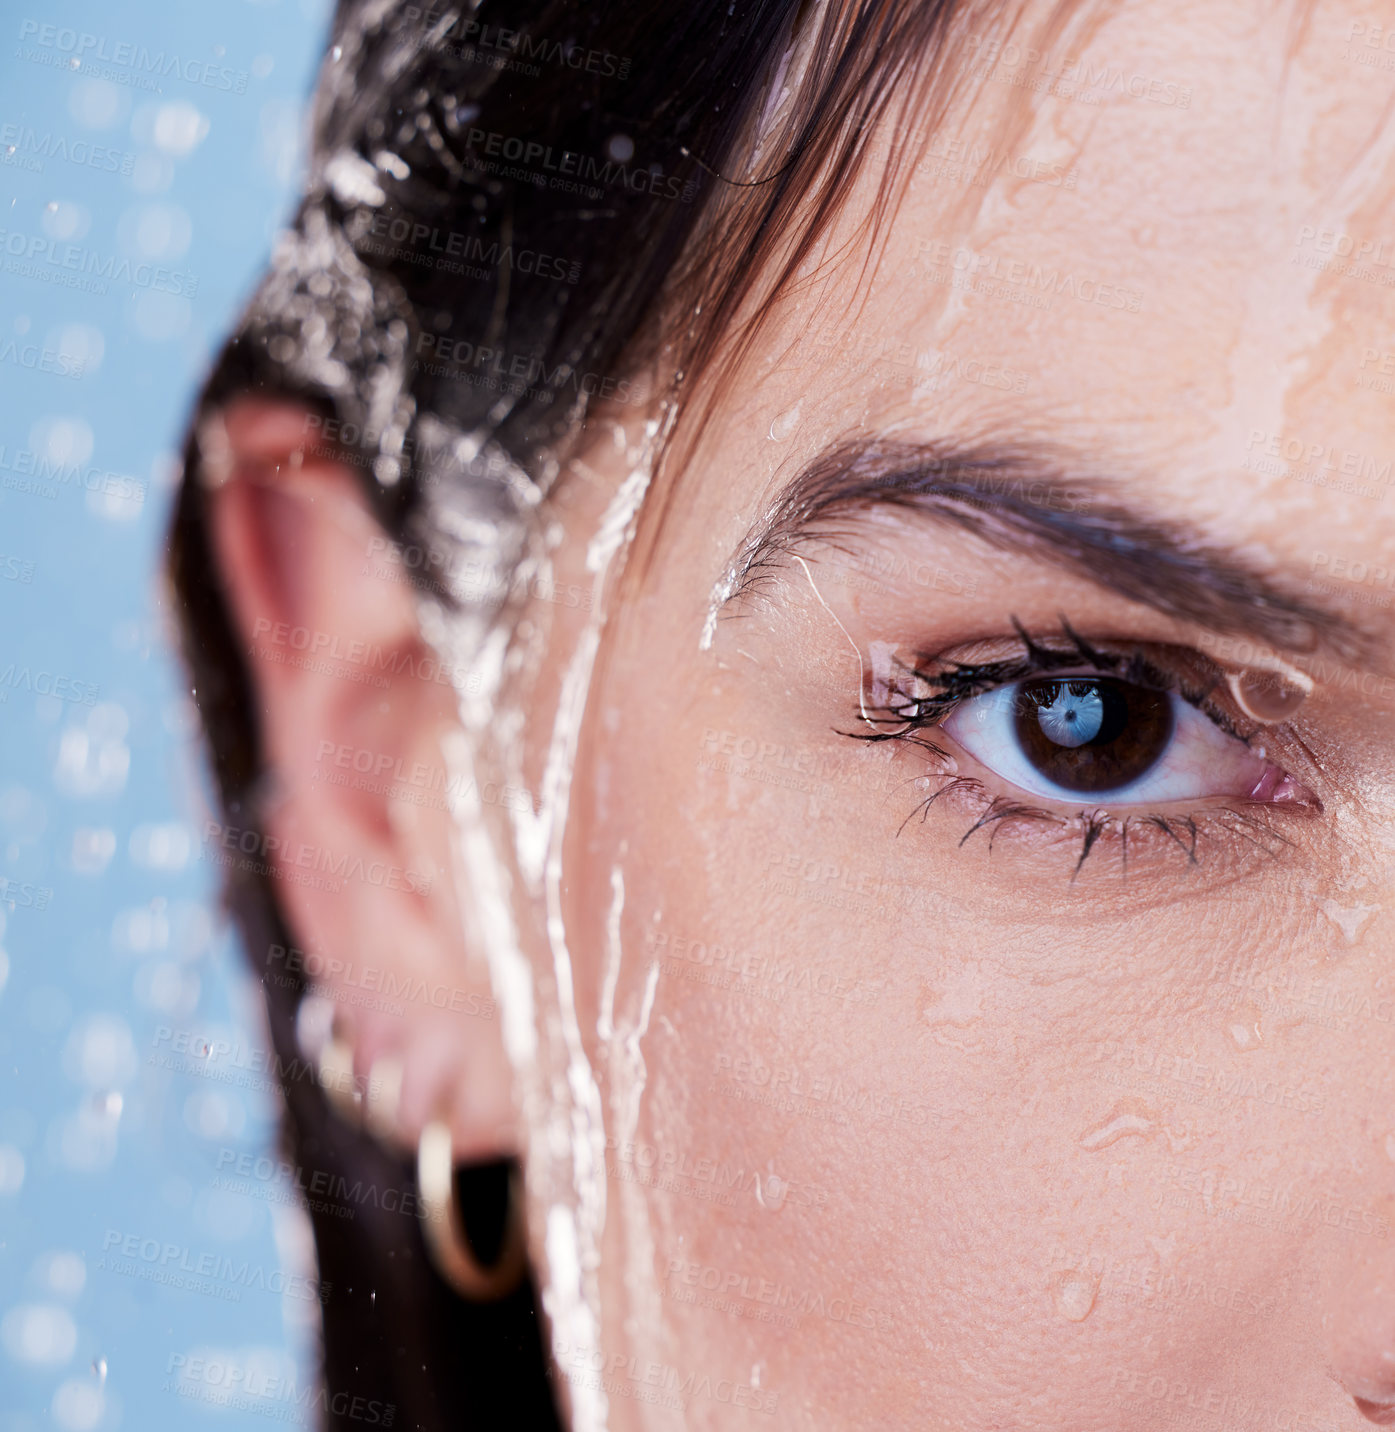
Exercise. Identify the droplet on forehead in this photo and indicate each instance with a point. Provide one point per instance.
(1268, 695)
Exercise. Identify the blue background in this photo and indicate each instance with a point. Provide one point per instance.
(126, 1018)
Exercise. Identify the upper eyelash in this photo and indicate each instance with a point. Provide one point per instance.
(960, 681)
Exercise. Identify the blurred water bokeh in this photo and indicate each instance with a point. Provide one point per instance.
(154, 1270)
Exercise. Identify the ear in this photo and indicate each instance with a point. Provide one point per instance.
(353, 708)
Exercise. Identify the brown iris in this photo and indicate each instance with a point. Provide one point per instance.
(1091, 733)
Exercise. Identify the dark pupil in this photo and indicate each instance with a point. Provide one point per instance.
(1091, 733)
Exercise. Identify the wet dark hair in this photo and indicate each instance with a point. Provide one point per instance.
(554, 185)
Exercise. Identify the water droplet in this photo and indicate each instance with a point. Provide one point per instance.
(1163, 1247)
(337, 53)
(1244, 1029)
(1179, 1137)
(784, 424)
(954, 1007)
(1073, 1294)
(771, 1190)
(99, 1368)
(1350, 920)
(1270, 696)
(108, 1105)
(1128, 1116)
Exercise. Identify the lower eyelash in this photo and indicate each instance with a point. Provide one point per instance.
(1181, 833)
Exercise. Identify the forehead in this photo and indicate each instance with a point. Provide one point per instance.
(1165, 239)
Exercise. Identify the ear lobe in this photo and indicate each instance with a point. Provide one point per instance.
(353, 708)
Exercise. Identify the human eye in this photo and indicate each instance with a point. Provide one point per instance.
(1104, 738)
(1101, 735)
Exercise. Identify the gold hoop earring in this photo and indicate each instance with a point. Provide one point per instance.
(444, 1228)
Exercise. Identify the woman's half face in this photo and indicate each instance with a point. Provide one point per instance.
(961, 997)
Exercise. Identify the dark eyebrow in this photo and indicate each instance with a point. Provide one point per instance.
(1029, 498)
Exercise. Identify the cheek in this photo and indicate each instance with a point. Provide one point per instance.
(818, 1071)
